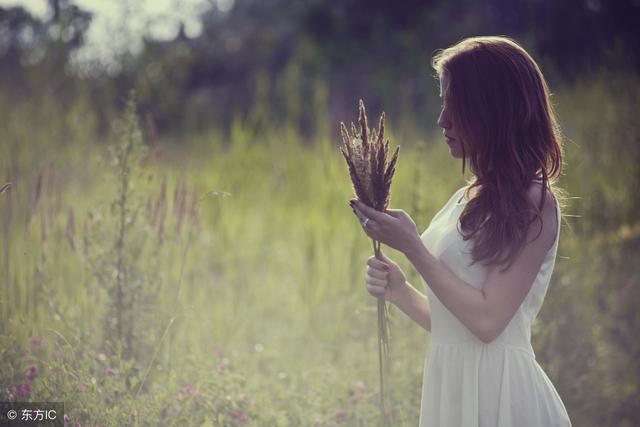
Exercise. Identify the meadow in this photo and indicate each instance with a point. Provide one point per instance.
(213, 279)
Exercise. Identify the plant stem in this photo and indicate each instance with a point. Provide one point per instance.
(383, 342)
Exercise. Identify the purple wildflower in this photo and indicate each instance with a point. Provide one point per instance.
(238, 415)
(32, 373)
(188, 389)
(24, 391)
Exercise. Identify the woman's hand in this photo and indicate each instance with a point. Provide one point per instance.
(393, 227)
(385, 278)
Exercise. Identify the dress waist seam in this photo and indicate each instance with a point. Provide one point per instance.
(526, 350)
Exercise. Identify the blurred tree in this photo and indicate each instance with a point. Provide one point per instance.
(29, 43)
(355, 48)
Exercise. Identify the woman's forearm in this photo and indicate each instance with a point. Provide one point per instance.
(415, 305)
(467, 303)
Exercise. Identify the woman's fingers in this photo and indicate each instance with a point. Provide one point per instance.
(377, 274)
(375, 290)
(362, 217)
(369, 211)
(376, 281)
(374, 262)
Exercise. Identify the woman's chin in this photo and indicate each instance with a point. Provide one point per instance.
(454, 148)
(456, 152)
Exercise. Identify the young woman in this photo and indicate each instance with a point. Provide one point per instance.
(487, 256)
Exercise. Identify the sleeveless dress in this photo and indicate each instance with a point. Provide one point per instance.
(468, 383)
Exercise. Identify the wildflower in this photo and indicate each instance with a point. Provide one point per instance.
(360, 386)
(341, 416)
(82, 388)
(188, 389)
(109, 372)
(134, 413)
(32, 373)
(67, 418)
(179, 397)
(355, 398)
(238, 415)
(36, 341)
(24, 391)
(78, 424)
(221, 366)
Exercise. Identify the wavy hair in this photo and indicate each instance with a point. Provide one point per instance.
(502, 114)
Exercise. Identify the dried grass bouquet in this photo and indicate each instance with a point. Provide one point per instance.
(371, 170)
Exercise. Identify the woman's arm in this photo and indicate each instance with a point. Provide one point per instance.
(470, 305)
(484, 312)
(416, 306)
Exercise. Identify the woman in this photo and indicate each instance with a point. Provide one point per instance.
(487, 256)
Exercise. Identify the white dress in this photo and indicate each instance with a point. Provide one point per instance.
(468, 383)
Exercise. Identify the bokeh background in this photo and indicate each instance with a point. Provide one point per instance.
(176, 246)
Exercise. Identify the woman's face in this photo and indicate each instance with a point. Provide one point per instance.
(445, 121)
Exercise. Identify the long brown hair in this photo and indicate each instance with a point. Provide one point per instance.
(504, 119)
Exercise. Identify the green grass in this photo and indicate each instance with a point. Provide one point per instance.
(271, 276)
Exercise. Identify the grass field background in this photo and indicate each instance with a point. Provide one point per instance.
(242, 267)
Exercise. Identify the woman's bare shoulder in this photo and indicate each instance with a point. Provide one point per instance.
(548, 211)
(534, 192)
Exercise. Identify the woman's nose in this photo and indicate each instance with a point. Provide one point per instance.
(443, 121)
